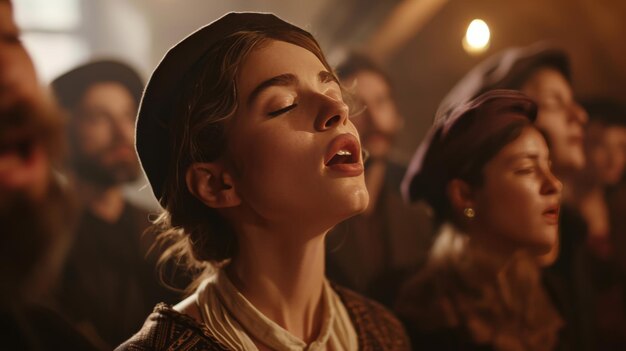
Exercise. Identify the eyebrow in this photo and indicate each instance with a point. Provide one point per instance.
(285, 80)
(534, 157)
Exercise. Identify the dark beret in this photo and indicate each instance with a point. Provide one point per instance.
(442, 156)
(508, 69)
(169, 79)
(70, 87)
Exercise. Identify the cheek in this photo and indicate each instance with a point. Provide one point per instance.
(274, 167)
(597, 158)
(509, 202)
(273, 153)
(92, 137)
(513, 209)
(385, 119)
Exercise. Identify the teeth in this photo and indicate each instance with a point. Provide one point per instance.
(344, 153)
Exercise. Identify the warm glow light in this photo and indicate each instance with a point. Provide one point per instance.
(477, 37)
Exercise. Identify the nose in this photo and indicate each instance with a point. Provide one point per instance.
(123, 128)
(578, 113)
(551, 184)
(332, 113)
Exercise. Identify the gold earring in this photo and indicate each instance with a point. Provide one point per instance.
(469, 212)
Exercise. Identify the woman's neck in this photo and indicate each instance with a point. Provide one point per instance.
(282, 274)
(374, 181)
(494, 255)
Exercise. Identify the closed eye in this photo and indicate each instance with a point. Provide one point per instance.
(529, 170)
(282, 110)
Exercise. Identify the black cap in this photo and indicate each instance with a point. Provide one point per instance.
(444, 155)
(508, 69)
(169, 79)
(70, 87)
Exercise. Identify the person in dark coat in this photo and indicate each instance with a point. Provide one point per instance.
(374, 252)
(37, 211)
(108, 284)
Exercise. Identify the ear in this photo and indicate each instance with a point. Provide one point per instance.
(461, 196)
(212, 184)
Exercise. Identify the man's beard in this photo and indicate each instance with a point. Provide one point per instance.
(36, 235)
(34, 232)
(94, 170)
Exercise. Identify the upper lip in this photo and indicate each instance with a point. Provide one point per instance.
(347, 142)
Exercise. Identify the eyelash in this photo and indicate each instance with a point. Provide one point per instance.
(282, 110)
(527, 170)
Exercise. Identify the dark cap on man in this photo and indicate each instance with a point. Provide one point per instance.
(71, 86)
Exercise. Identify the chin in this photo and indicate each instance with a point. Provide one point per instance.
(577, 161)
(611, 179)
(548, 258)
(353, 203)
(547, 243)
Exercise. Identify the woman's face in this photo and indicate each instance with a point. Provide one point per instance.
(559, 115)
(296, 157)
(518, 203)
(605, 148)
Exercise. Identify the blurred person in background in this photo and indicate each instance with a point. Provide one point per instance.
(374, 251)
(600, 200)
(543, 73)
(605, 150)
(108, 286)
(610, 298)
(36, 210)
(484, 167)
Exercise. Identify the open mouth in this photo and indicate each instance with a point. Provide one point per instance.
(343, 149)
(19, 157)
(552, 214)
(344, 155)
(22, 148)
(17, 142)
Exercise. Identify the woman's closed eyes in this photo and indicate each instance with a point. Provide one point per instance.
(282, 110)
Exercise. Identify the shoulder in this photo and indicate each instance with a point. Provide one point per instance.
(168, 329)
(426, 300)
(428, 309)
(377, 328)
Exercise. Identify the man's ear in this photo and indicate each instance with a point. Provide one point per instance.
(461, 196)
(212, 184)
